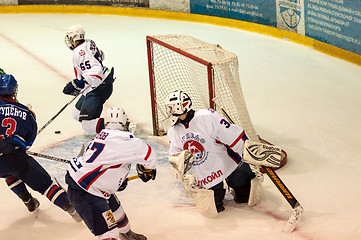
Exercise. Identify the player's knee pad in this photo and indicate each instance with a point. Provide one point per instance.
(93, 126)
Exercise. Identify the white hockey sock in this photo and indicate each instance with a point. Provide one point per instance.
(123, 225)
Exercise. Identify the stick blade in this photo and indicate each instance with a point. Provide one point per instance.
(293, 220)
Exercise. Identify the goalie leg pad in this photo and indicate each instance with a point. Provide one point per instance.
(261, 154)
(203, 198)
(256, 187)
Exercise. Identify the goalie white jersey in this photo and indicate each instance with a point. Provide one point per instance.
(107, 160)
(216, 144)
(87, 62)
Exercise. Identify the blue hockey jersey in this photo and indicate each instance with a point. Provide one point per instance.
(17, 123)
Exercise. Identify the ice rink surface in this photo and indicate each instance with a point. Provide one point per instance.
(306, 102)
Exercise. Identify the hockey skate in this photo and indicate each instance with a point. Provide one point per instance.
(30, 202)
(130, 235)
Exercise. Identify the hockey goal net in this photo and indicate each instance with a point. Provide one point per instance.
(206, 72)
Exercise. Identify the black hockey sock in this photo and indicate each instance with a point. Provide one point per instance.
(242, 193)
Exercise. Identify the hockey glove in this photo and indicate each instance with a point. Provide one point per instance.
(74, 87)
(123, 186)
(146, 174)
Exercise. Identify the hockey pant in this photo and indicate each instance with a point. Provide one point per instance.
(91, 105)
(103, 217)
(240, 181)
(19, 169)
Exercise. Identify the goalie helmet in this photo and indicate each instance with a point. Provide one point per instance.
(116, 118)
(177, 103)
(8, 85)
(73, 34)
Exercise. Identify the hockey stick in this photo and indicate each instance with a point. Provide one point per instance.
(296, 206)
(65, 161)
(57, 114)
(47, 157)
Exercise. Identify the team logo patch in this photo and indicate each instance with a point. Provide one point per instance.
(109, 218)
(81, 52)
(197, 150)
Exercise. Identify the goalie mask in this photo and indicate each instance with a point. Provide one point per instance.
(116, 118)
(8, 86)
(73, 34)
(177, 103)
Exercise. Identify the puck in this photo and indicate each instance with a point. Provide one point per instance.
(57, 132)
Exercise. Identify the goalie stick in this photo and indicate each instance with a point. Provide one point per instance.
(286, 193)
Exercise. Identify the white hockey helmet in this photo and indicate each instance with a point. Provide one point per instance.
(116, 118)
(177, 103)
(74, 33)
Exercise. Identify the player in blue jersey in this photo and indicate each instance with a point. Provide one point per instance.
(18, 187)
(93, 80)
(18, 131)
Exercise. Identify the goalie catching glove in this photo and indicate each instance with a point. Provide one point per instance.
(181, 163)
(261, 154)
(146, 174)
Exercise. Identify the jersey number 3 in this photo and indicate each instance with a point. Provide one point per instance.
(10, 124)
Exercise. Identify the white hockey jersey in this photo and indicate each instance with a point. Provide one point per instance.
(87, 62)
(107, 160)
(216, 144)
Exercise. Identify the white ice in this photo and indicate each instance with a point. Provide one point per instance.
(305, 101)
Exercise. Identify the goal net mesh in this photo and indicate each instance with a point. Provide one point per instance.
(206, 72)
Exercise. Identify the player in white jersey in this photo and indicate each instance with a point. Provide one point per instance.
(92, 79)
(95, 177)
(217, 147)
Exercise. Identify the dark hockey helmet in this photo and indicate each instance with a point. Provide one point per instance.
(8, 85)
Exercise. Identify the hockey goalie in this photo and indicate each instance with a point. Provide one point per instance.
(207, 153)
